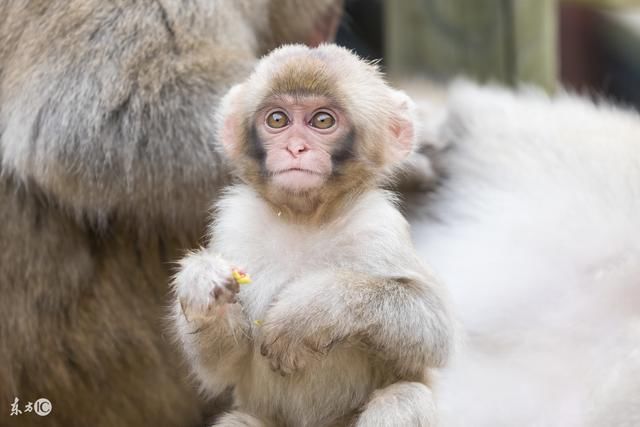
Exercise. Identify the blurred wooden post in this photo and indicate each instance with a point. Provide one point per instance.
(510, 41)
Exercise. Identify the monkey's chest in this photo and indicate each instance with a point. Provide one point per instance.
(263, 292)
(279, 264)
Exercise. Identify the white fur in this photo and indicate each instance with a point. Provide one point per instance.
(536, 232)
(321, 283)
(204, 273)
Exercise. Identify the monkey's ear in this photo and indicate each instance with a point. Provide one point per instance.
(402, 126)
(229, 122)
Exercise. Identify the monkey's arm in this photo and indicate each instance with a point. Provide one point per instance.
(375, 291)
(210, 325)
(403, 319)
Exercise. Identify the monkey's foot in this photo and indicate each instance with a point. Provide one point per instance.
(204, 285)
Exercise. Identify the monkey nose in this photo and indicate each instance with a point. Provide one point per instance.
(296, 148)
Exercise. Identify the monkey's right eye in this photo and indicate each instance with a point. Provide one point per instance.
(277, 120)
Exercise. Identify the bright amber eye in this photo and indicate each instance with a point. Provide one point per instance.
(322, 120)
(277, 120)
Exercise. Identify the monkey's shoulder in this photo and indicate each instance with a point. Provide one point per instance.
(239, 209)
(375, 209)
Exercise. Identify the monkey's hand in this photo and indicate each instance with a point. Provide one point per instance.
(288, 349)
(204, 285)
(292, 335)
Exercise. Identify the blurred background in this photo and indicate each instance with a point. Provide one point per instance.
(588, 46)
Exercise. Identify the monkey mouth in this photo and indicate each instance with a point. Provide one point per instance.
(303, 170)
(298, 179)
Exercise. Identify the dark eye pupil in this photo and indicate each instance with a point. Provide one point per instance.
(277, 120)
(323, 121)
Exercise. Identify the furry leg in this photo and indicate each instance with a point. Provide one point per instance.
(401, 404)
(240, 419)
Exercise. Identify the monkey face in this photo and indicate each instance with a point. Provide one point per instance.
(300, 137)
(312, 126)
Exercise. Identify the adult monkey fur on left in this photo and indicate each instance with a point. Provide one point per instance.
(108, 169)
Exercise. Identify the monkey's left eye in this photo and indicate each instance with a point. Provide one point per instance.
(322, 120)
(277, 120)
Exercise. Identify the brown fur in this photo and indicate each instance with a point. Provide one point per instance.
(108, 169)
(307, 76)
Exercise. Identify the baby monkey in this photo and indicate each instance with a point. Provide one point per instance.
(342, 322)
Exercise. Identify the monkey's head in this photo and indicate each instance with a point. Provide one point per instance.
(313, 126)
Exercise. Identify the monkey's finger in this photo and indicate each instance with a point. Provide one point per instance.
(216, 292)
(264, 350)
(274, 365)
(233, 285)
(279, 367)
(223, 294)
(323, 347)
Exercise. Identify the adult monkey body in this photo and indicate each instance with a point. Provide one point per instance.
(341, 309)
(106, 117)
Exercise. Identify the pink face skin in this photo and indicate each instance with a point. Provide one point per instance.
(298, 148)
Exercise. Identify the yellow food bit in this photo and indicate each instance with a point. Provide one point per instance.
(257, 322)
(241, 278)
